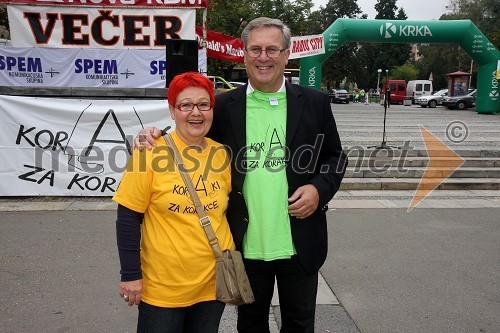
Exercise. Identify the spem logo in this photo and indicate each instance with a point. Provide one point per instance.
(388, 30)
(21, 64)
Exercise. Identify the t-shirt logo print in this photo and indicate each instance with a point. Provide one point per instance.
(202, 186)
(275, 156)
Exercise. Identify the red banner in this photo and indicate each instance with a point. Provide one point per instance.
(220, 46)
(113, 3)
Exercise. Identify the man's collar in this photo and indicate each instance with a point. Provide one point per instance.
(250, 89)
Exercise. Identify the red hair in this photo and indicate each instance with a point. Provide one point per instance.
(189, 79)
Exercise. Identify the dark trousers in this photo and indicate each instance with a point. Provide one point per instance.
(203, 317)
(297, 294)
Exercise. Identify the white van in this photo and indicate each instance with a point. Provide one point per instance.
(418, 88)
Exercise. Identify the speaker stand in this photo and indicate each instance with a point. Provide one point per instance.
(383, 144)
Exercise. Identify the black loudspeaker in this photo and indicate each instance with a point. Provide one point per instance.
(182, 56)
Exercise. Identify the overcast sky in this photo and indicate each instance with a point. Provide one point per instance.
(415, 9)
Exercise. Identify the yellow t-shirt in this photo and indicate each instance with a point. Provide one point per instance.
(177, 263)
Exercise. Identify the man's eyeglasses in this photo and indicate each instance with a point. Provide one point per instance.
(188, 107)
(272, 52)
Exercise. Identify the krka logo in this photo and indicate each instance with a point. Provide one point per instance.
(389, 30)
(494, 86)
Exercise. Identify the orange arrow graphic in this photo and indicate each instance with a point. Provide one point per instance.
(442, 163)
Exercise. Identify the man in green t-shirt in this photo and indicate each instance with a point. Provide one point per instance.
(287, 161)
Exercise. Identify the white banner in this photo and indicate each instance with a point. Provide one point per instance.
(69, 147)
(306, 46)
(114, 28)
(46, 67)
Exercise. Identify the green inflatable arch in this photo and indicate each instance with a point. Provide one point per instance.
(461, 32)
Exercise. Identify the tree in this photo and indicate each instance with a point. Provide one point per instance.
(225, 16)
(441, 59)
(386, 9)
(484, 13)
(406, 72)
(4, 20)
(343, 63)
(385, 56)
(292, 13)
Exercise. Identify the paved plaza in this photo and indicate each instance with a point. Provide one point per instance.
(432, 269)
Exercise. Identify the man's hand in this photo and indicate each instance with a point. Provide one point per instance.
(305, 201)
(146, 138)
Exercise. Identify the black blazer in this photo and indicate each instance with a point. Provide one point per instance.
(315, 157)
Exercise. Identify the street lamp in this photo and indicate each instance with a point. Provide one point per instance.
(386, 89)
(379, 71)
(242, 20)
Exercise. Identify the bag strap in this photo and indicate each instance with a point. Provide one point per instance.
(204, 219)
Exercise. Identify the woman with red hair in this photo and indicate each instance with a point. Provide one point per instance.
(167, 264)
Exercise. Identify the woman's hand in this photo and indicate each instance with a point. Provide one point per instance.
(131, 292)
(146, 138)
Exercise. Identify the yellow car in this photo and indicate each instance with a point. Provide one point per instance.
(221, 85)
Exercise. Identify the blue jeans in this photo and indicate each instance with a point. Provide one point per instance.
(198, 318)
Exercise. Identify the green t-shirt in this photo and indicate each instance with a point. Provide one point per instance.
(268, 236)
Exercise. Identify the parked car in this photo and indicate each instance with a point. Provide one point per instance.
(339, 96)
(221, 85)
(236, 84)
(418, 88)
(460, 102)
(432, 100)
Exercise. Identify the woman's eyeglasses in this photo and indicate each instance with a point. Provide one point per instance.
(188, 107)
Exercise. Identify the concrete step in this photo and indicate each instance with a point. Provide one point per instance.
(419, 161)
(418, 172)
(408, 194)
(489, 142)
(413, 131)
(366, 199)
(475, 138)
(379, 184)
(363, 150)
